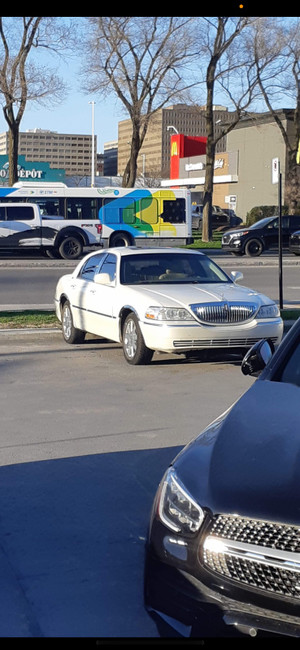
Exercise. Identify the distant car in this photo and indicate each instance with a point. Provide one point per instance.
(233, 218)
(294, 243)
(224, 534)
(261, 236)
(219, 217)
(163, 299)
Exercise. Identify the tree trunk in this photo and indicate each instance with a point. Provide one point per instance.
(292, 182)
(13, 148)
(210, 156)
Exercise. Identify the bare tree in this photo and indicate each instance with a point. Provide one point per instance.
(143, 60)
(276, 53)
(21, 80)
(227, 66)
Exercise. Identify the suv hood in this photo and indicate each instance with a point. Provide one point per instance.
(249, 463)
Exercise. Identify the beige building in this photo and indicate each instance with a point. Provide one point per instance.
(258, 141)
(72, 152)
(154, 157)
(243, 175)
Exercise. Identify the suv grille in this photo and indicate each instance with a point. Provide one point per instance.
(224, 312)
(260, 554)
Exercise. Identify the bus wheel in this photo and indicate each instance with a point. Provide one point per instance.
(70, 248)
(120, 239)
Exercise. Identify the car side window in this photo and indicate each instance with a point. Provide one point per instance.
(109, 266)
(91, 266)
(291, 371)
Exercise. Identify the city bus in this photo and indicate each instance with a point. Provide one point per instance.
(125, 216)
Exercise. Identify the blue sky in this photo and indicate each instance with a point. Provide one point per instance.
(74, 115)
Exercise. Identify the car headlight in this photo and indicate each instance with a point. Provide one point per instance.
(268, 311)
(168, 313)
(176, 507)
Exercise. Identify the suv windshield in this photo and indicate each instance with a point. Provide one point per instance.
(166, 268)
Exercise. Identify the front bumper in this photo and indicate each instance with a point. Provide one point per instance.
(201, 610)
(176, 338)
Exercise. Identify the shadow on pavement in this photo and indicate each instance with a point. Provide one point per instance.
(72, 540)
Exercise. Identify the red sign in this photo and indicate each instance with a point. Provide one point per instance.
(183, 146)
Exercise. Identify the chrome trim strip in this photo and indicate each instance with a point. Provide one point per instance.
(261, 554)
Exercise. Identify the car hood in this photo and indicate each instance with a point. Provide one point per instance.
(182, 295)
(249, 462)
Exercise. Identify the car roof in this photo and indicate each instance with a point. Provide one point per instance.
(136, 250)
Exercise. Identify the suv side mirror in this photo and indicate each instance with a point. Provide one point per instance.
(256, 359)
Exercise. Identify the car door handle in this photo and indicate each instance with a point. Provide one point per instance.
(92, 291)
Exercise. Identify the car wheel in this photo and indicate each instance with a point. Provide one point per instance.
(120, 239)
(70, 333)
(134, 348)
(52, 253)
(70, 248)
(254, 247)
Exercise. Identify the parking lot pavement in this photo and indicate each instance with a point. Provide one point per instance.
(72, 544)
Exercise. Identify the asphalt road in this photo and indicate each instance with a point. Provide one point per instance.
(32, 281)
(85, 439)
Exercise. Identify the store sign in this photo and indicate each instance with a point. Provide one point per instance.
(275, 171)
(193, 166)
(30, 171)
(219, 163)
(26, 174)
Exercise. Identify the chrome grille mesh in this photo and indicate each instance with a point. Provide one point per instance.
(224, 312)
(259, 554)
(254, 531)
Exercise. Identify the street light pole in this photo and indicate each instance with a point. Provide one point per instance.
(93, 145)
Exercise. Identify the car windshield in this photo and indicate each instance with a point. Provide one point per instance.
(261, 223)
(166, 268)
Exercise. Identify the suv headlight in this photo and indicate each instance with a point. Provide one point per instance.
(268, 311)
(176, 507)
(168, 313)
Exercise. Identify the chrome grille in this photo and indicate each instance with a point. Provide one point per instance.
(224, 312)
(260, 554)
(219, 343)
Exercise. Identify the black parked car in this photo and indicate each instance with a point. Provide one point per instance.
(262, 235)
(219, 217)
(294, 244)
(225, 524)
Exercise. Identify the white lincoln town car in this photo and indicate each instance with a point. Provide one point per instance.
(162, 299)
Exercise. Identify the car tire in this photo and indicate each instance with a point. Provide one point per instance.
(52, 253)
(134, 348)
(70, 333)
(254, 247)
(70, 248)
(120, 239)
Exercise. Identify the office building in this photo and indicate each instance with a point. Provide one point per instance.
(154, 156)
(71, 152)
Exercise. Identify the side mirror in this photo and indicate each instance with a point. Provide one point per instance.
(256, 359)
(103, 278)
(236, 275)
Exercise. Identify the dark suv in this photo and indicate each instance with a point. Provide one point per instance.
(261, 236)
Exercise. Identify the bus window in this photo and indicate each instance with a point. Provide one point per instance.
(49, 207)
(149, 210)
(121, 210)
(174, 211)
(81, 208)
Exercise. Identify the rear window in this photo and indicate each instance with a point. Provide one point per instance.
(16, 213)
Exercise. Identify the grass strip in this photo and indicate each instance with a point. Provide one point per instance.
(28, 318)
